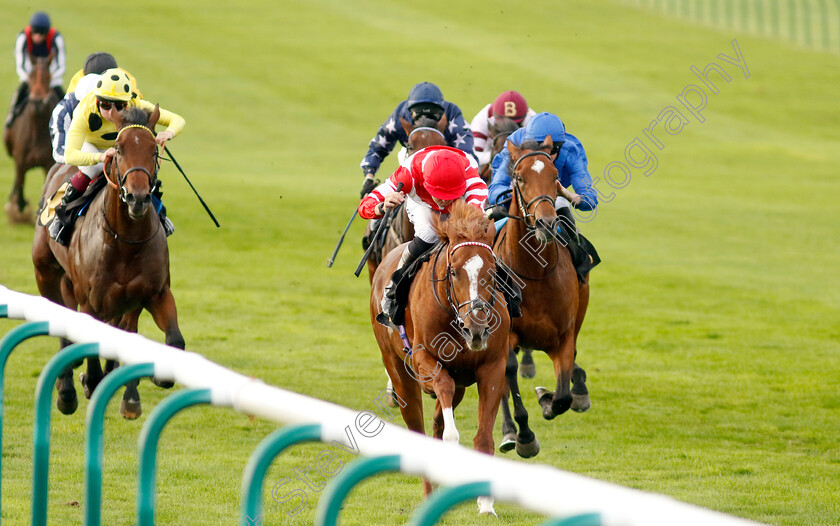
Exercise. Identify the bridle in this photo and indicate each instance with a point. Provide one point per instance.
(529, 218)
(121, 178)
(455, 307)
(424, 128)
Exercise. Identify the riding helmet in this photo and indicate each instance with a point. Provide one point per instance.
(425, 93)
(445, 174)
(510, 104)
(544, 124)
(99, 62)
(114, 84)
(40, 22)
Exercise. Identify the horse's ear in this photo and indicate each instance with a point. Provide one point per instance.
(407, 126)
(547, 144)
(153, 118)
(442, 124)
(515, 152)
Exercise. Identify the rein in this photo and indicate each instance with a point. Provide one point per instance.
(110, 230)
(426, 128)
(520, 199)
(455, 308)
(122, 177)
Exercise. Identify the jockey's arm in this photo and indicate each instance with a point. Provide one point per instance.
(501, 181)
(76, 136)
(20, 47)
(59, 63)
(174, 123)
(386, 194)
(575, 171)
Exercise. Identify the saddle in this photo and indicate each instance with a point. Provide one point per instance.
(74, 209)
(403, 286)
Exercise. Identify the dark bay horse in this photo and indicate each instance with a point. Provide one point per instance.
(456, 327)
(500, 130)
(27, 140)
(553, 300)
(118, 261)
(423, 133)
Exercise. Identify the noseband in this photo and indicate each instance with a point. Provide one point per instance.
(121, 178)
(476, 304)
(529, 218)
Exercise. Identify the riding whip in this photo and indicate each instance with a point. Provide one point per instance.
(341, 239)
(178, 166)
(382, 224)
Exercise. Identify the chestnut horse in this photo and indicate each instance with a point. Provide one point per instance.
(553, 301)
(118, 261)
(456, 327)
(423, 133)
(27, 140)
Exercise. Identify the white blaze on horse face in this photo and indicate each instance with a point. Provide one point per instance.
(538, 166)
(450, 432)
(473, 266)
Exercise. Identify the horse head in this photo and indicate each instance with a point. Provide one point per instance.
(500, 130)
(470, 272)
(423, 133)
(134, 167)
(535, 186)
(39, 79)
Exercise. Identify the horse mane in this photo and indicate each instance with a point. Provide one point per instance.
(425, 122)
(465, 222)
(134, 115)
(530, 144)
(503, 125)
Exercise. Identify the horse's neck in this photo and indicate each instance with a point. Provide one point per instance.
(434, 271)
(523, 253)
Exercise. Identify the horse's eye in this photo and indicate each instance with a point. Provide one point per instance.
(453, 273)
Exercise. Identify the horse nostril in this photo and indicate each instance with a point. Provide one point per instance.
(147, 199)
(129, 198)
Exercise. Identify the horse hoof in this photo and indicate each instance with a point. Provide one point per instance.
(67, 405)
(508, 442)
(580, 403)
(130, 409)
(17, 216)
(84, 382)
(527, 370)
(528, 450)
(545, 397)
(561, 405)
(165, 384)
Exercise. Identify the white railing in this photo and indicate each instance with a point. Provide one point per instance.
(539, 488)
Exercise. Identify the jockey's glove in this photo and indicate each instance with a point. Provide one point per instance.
(368, 186)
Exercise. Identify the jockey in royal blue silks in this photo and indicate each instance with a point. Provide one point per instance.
(569, 159)
(425, 99)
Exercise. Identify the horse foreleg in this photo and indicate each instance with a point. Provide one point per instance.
(508, 427)
(527, 367)
(165, 315)
(444, 387)
(563, 357)
(490, 381)
(526, 445)
(438, 421)
(130, 406)
(580, 394)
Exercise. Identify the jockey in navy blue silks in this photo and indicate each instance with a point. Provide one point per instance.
(570, 162)
(425, 99)
(38, 39)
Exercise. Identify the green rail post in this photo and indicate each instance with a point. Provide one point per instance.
(329, 505)
(254, 474)
(11, 340)
(443, 500)
(94, 441)
(41, 430)
(148, 442)
(585, 519)
(4, 311)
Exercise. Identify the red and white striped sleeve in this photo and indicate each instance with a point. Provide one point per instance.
(367, 208)
(476, 193)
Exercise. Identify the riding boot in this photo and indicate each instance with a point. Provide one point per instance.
(168, 227)
(61, 228)
(567, 220)
(18, 103)
(414, 250)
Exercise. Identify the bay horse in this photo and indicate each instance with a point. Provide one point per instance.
(554, 302)
(27, 140)
(423, 133)
(117, 263)
(456, 329)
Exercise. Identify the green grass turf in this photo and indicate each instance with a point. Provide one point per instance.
(711, 340)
